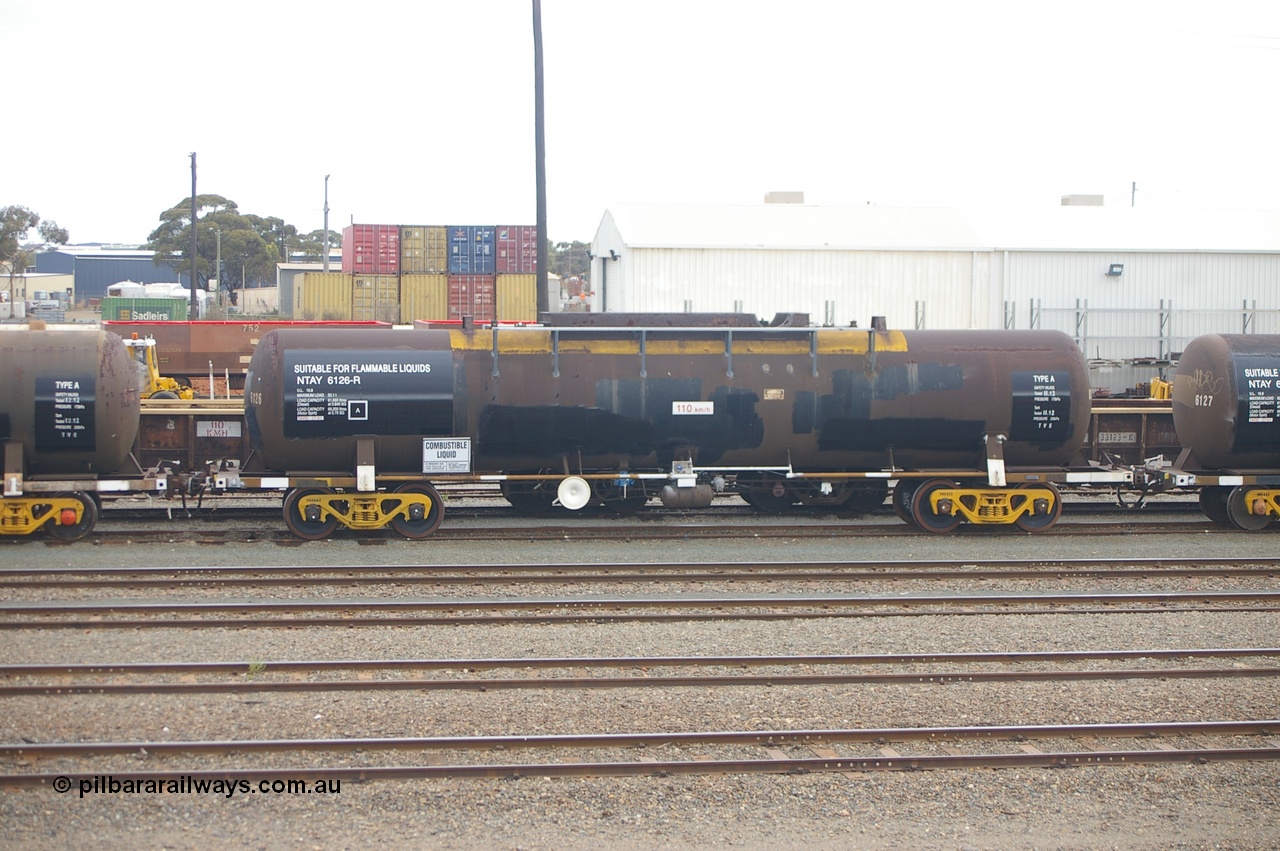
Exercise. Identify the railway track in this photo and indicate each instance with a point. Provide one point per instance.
(295, 613)
(654, 754)
(137, 578)
(668, 530)
(258, 712)
(634, 672)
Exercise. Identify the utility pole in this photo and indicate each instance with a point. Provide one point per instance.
(1133, 193)
(540, 157)
(217, 264)
(324, 249)
(193, 235)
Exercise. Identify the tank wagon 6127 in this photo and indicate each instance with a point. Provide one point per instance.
(1226, 409)
(975, 426)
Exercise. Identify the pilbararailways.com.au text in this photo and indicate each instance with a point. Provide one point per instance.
(227, 787)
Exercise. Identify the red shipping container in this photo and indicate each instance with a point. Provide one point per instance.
(517, 249)
(472, 295)
(371, 249)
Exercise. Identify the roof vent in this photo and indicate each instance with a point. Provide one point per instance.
(1082, 200)
(784, 198)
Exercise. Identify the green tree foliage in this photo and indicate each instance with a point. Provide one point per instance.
(250, 245)
(310, 245)
(567, 259)
(16, 224)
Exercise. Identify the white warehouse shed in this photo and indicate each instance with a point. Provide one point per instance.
(1126, 283)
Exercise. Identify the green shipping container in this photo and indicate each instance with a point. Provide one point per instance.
(116, 309)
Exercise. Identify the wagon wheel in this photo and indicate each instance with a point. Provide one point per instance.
(532, 498)
(616, 503)
(1240, 513)
(865, 499)
(419, 525)
(1038, 522)
(1213, 504)
(772, 497)
(74, 531)
(309, 527)
(923, 512)
(903, 493)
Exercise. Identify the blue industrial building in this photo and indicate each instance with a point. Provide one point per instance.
(96, 267)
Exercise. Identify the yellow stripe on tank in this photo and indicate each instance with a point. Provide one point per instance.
(530, 341)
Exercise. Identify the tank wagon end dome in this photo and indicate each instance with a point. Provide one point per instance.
(1226, 400)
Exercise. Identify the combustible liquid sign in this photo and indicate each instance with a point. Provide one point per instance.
(446, 455)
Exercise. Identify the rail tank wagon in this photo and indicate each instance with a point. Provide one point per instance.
(68, 407)
(70, 398)
(606, 404)
(1226, 410)
(319, 401)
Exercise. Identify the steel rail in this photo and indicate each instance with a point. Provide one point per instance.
(632, 681)
(546, 619)
(595, 662)
(554, 604)
(655, 531)
(1048, 566)
(1019, 733)
(139, 578)
(804, 765)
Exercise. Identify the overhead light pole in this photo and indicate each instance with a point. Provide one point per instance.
(540, 160)
(193, 235)
(324, 249)
(217, 265)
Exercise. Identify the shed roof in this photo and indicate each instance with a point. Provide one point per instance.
(796, 226)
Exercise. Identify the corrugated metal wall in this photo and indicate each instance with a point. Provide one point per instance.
(94, 274)
(1158, 303)
(833, 287)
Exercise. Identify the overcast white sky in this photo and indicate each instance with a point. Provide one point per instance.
(422, 112)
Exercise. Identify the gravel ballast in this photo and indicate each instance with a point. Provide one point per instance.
(1214, 805)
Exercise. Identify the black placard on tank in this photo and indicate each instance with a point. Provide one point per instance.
(64, 414)
(1258, 391)
(1041, 407)
(348, 392)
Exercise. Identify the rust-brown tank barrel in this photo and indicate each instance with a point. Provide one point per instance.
(70, 398)
(612, 398)
(1226, 400)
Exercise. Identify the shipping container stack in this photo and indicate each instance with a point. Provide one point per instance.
(404, 273)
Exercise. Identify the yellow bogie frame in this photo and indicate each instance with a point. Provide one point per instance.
(1031, 506)
(1252, 508)
(413, 510)
(67, 517)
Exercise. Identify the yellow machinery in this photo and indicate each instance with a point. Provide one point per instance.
(153, 385)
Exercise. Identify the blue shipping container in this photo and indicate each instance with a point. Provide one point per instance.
(471, 250)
